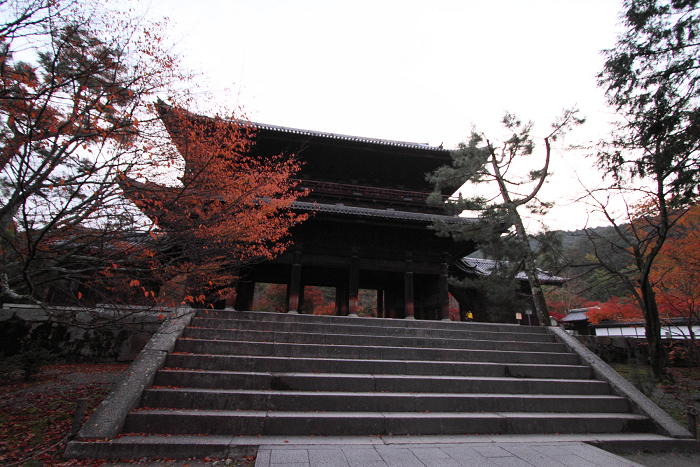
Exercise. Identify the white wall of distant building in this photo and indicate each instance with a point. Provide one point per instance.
(674, 332)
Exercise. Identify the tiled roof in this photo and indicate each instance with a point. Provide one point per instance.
(378, 213)
(358, 139)
(575, 316)
(164, 108)
(484, 267)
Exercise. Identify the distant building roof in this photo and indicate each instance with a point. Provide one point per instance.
(484, 267)
(576, 316)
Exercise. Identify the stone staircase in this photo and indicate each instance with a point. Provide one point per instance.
(249, 373)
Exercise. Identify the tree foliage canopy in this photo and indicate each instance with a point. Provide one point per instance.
(675, 276)
(652, 78)
(481, 160)
(79, 84)
(75, 86)
(229, 207)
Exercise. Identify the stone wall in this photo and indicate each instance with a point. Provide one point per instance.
(95, 334)
(616, 349)
(623, 349)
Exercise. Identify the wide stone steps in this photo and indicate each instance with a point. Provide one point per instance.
(379, 325)
(404, 367)
(463, 333)
(285, 349)
(369, 340)
(223, 422)
(324, 401)
(375, 383)
(247, 373)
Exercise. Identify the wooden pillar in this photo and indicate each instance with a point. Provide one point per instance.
(380, 304)
(245, 293)
(230, 300)
(301, 297)
(408, 290)
(444, 293)
(231, 297)
(294, 285)
(353, 285)
(341, 300)
(390, 303)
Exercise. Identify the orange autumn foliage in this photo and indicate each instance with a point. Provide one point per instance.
(676, 273)
(314, 302)
(229, 207)
(618, 309)
(77, 80)
(274, 299)
(675, 277)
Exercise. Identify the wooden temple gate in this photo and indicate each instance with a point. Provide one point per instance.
(368, 226)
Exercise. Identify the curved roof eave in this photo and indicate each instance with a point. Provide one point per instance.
(378, 213)
(336, 136)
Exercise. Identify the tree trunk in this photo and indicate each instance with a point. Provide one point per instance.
(657, 352)
(693, 344)
(531, 272)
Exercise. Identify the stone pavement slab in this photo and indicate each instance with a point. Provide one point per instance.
(487, 454)
(665, 459)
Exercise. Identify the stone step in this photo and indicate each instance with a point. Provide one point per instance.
(241, 422)
(471, 332)
(250, 375)
(221, 347)
(136, 446)
(338, 365)
(371, 322)
(375, 383)
(246, 399)
(363, 340)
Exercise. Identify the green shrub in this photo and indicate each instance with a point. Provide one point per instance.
(25, 364)
(33, 359)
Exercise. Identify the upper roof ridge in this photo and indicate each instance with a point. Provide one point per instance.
(338, 136)
(164, 107)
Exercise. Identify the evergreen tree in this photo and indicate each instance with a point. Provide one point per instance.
(652, 80)
(482, 160)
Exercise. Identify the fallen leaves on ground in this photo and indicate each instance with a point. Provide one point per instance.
(37, 414)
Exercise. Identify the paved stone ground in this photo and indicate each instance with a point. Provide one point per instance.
(184, 463)
(574, 454)
(661, 459)
(665, 459)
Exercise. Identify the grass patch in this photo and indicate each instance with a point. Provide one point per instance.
(680, 389)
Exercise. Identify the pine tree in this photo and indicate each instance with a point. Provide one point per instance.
(481, 160)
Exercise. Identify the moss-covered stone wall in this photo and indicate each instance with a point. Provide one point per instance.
(99, 334)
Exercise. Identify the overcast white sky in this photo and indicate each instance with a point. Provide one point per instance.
(409, 70)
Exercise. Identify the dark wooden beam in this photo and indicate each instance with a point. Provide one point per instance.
(408, 290)
(294, 285)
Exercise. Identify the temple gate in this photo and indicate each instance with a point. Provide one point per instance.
(368, 228)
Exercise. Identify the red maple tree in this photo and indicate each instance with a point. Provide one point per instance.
(228, 207)
(620, 309)
(77, 84)
(675, 276)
